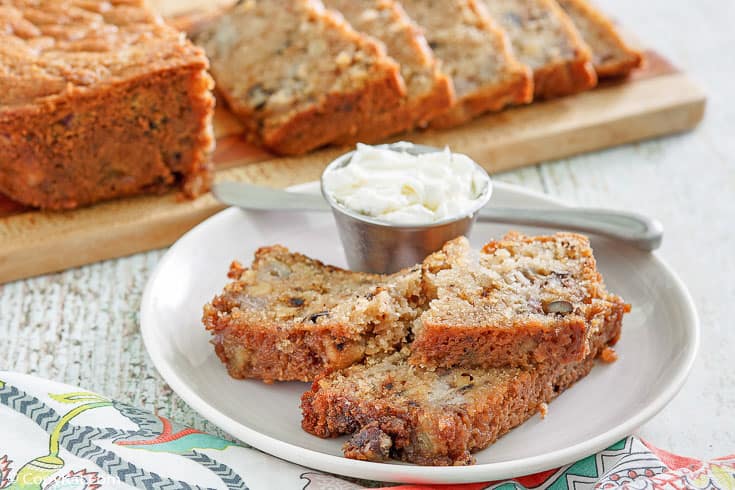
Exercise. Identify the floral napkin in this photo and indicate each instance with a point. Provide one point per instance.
(54, 436)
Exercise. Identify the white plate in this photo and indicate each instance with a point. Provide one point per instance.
(658, 345)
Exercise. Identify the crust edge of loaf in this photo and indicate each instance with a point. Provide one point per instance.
(613, 68)
(193, 177)
(516, 91)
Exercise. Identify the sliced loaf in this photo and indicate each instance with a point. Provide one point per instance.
(298, 75)
(612, 56)
(545, 39)
(475, 54)
(428, 91)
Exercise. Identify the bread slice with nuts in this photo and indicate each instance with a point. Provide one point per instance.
(612, 56)
(544, 38)
(291, 318)
(475, 54)
(299, 76)
(428, 90)
(437, 416)
(520, 301)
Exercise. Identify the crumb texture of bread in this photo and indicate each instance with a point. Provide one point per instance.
(99, 100)
(312, 79)
(612, 56)
(475, 54)
(375, 345)
(428, 90)
(519, 301)
(440, 416)
(544, 38)
(291, 318)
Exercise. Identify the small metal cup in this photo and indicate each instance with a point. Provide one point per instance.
(372, 245)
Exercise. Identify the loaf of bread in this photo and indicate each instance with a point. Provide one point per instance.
(428, 90)
(612, 56)
(291, 318)
(544, 38)
(99, 100)
(441, 416)
(298, 75)
(520, 301)
(475, 54)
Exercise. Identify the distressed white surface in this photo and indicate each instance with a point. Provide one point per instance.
(81, 326)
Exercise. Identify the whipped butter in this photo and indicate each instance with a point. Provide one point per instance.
(400, 188)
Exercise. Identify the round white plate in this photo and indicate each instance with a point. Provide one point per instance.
(657, 348)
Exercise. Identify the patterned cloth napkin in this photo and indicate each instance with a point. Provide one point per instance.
(57, 437)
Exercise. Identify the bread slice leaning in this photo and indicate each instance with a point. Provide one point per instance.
(612, 56)
(291, 318)
(428, 90)
(520, 301)
(545, 39)
(475, 54)
(298, 75)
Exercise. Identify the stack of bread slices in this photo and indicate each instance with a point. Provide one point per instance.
(305, 73)
(430, 364)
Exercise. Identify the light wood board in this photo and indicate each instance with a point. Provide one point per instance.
(656, 101)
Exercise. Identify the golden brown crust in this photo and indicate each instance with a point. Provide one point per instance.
(568, 78)
(464, 412)
(524, 344)
(122, 107)
(612, 56)
(299, 354)
(405, 116)
(561, 79)
(517, 90)
(339, 118)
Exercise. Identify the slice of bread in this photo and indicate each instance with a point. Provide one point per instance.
(428, 91)
(520, 301)
(441, 416)
(612, 56)
(299, 76)
(544, 38)
(289, 317)
(475, 54)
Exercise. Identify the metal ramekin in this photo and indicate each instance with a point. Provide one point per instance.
(373, 245)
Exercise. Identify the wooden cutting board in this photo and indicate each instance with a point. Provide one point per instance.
(657, 100)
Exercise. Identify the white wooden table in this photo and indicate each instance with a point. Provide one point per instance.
(82, 327)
